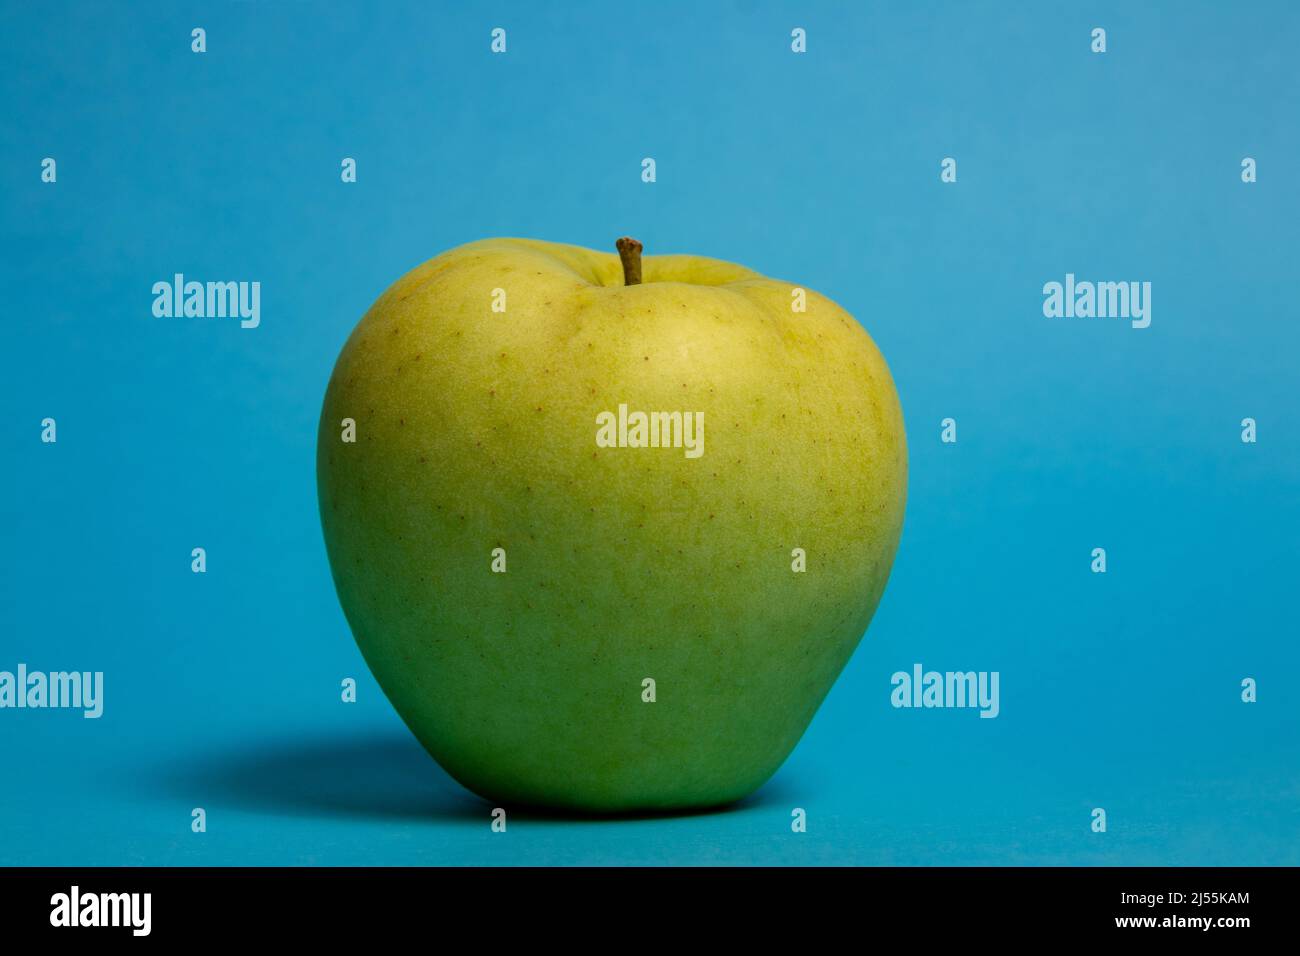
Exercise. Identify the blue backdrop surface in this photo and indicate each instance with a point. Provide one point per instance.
(1120, 691)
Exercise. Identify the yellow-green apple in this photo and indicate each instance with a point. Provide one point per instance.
(606, 530)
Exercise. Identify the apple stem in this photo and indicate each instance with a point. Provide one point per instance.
(629, 250)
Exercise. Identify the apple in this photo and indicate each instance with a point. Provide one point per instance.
(607, 529)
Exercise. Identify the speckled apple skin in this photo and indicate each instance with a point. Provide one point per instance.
(476, 430)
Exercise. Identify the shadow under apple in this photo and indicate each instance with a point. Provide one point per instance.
(377, 775)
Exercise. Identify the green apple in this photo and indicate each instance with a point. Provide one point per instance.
(606, 530)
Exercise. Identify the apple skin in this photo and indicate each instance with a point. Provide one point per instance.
(476, 430)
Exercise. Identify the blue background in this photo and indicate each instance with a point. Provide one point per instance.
(1119, 690)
